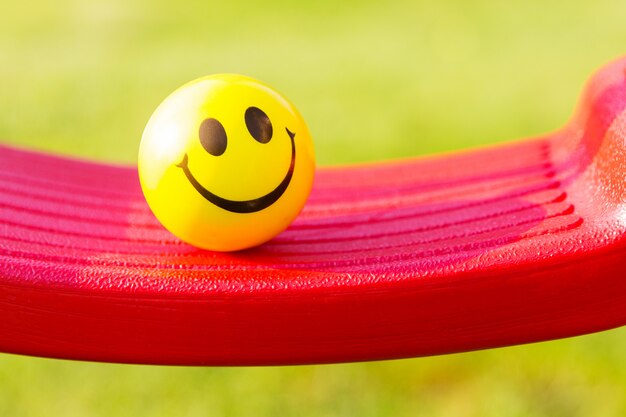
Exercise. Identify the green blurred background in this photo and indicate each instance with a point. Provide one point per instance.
(374, 80)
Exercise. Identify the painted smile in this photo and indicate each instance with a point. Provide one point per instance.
(246, 206)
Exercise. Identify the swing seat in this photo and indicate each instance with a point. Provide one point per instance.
(503, 245)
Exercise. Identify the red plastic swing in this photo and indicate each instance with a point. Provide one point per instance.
(503, 245)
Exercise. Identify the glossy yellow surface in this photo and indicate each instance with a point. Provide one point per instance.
(242, 197)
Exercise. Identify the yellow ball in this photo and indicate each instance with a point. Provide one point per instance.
(226, 163)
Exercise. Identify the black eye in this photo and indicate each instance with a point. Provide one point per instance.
(258, 124)
(213, 137)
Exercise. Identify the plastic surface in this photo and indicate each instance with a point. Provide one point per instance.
(504, 245)
(226, 162)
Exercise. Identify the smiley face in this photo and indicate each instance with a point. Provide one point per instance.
(214, 139)
(226, 162)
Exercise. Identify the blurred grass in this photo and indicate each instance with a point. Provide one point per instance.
(374, 80)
